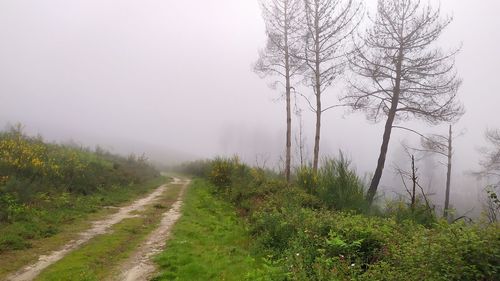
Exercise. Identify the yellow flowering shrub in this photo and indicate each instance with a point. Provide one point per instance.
(76, 169)
(222, 170)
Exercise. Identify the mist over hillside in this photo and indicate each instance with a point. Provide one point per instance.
(174, 80)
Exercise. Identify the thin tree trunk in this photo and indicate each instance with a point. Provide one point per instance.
(318, 130)
(387, 132)
(317, 72)
(448, 176)
(288, 157)
(301, 142)
(414, 181)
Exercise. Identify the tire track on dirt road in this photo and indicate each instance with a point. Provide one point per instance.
(100, 227)
(140, 267)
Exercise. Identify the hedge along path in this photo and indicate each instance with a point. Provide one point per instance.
(30, 272)
(140, 267)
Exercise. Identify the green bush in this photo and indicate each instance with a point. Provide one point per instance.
(339, 187)
(446, 252)
(10, 208)
(306, 178)
(335, 184)
(401, 211)
(222, 172)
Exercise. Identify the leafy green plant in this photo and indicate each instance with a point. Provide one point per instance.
(339, 187)
(306, 178)
(419, 213)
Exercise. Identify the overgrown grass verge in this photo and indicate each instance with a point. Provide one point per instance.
(319, 229)
(209, 242)
(68, 220)
(100, 257)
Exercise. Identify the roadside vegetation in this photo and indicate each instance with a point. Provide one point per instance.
(321, 228)
(46, 186)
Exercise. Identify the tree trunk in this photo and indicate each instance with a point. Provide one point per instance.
(317, 78)
(301, 141)
(387, 132)
(414, 181)
(448, 177)
(318, 130)
(288, 156)
(381, 159)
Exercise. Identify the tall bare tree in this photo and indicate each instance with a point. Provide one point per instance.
(328, 25)
(441, 145)
(401, 74)
(491, 170)
(281, 18)
(491, 160)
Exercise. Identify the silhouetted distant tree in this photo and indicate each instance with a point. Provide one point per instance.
(401, 74)
(491, 161)
(491, 170)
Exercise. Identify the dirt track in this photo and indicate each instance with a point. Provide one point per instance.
(139, 266)
(102, 227)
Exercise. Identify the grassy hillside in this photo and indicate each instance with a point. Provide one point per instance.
(44, 186)
(319, 228)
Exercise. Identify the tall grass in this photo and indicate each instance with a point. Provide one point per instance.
(336, 184)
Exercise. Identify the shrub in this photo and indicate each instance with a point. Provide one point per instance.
(339, 186)
(306, 178)
(446, 252)
(335, 184)
(199, 168)
(221, 172)
(10, 208)
(401, 211)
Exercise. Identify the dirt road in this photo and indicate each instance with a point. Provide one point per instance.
(98, 228)
(139, 266)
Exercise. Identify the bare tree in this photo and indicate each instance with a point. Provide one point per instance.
(491, 170)
(300, 140)
(491, 161)
(281, 18)
(328, 25)
(400, 74)
(413, 177)
(441, 145)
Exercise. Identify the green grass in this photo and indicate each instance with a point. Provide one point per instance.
(209, 242)
(66, 221)
(100, 257)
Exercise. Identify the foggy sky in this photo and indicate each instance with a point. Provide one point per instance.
(174, 79)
